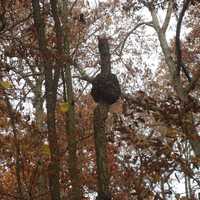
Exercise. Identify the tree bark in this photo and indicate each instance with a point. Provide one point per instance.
(74, 170)
(182, 93)
(38, 102)
(20, 192)
(100, 116)
(51, 82)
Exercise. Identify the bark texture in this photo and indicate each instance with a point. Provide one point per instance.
(100, 116)
(174, 69)
(51, 82)
(74, 171)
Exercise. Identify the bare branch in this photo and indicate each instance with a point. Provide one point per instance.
(156, 24)
(72, 6)
(122, 44)
(168, 16)
(178, 43)
(85, 78)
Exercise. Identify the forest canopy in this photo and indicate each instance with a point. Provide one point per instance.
(99, 99)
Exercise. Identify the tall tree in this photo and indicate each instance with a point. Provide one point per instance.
(100, 116)
(174, 66)
(105, 91)
(68, 95)
(173, 60)
(51, 73)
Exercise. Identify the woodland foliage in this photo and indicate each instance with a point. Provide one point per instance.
(151, 132)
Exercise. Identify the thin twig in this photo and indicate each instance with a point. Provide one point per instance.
(122, 44)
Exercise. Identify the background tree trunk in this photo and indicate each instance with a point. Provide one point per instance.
(18, 162)
(51, 83)
(187, 116)
(74, 170)
(38, 103)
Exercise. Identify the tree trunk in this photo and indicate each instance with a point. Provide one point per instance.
(74, 170)
(51, 82)
(187, 117)
(162, 184)
(38, 103)
(100, 116)
(42, 186)
(17, 150)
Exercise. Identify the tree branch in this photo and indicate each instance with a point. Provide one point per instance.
(83, 76)
(122, 44)
(168, 16)
(156, 24)
(178, 43)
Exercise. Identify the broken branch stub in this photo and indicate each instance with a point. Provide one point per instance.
(105, 86)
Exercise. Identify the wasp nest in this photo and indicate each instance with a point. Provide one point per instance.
(106, 89)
